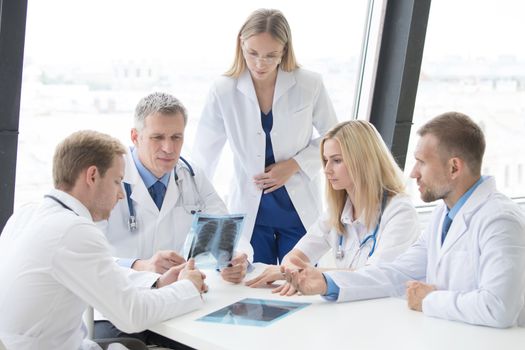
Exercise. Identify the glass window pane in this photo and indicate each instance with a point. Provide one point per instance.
(87, 63)
(474, 63)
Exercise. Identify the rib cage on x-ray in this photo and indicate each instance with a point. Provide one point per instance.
(205, 237)
(216, 236)
(229, 232)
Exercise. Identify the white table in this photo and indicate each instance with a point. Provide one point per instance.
(373, 324)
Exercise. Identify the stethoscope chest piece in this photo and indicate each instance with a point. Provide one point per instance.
(132, 223)
(340, 253)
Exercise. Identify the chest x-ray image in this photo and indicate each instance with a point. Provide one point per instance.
(254, 312)
(213, 238)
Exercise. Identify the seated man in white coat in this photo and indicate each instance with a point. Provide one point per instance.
(54, 261)
(148, 227)
(469, 264)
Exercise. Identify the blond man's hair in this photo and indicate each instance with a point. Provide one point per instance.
(81, 150)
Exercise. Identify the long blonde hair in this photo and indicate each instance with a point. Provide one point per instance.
(265, 21)
(371, 167)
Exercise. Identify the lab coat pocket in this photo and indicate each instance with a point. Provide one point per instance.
(302, 108)
(303, 112)
(300, 123)
(461, 271)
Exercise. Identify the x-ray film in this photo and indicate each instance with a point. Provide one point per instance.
(254, 312)
(213, 239)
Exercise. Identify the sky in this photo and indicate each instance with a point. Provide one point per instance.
(91, 32)
(475, 28)
(62, 31)
(66, 30)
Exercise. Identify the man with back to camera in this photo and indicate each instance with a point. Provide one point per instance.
(54, 261)
(161, 192)
(471, 256)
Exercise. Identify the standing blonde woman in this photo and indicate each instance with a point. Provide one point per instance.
(267, 107)
(369, 219)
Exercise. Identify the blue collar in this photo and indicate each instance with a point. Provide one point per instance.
(455, 209)
(146, 175)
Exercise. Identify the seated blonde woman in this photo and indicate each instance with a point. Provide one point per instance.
(370, 218)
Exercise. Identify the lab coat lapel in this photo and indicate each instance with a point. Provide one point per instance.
(139, 192)
(171, 197)
(245, 85)
(285, 81)
(462, 220)
(457, 229)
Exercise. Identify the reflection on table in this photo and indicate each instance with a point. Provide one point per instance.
(373, 324)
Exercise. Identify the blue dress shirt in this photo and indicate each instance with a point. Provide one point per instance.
(146, 175)
(332, 289)
(452, 212)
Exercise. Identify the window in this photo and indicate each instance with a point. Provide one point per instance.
(473, 63)
(88, 63)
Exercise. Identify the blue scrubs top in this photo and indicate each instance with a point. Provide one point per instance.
(276, 208)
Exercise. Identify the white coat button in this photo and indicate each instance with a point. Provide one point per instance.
(259, 133)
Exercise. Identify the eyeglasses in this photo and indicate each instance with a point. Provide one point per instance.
(254, 57)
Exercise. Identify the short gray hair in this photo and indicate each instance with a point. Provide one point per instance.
(158, 102)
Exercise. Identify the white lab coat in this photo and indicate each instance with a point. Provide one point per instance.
(54, 263)
(232, 113)
(479, 271)
(167, 228)
(397, 231)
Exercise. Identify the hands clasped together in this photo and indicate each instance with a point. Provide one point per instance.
(276, 175)
(299, 275)
(184, 271)
(303, 278)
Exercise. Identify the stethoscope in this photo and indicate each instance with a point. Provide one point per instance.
(60, 202)
(132, 220)
(340, 253)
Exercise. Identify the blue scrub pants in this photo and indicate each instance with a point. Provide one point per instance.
(271, 244)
